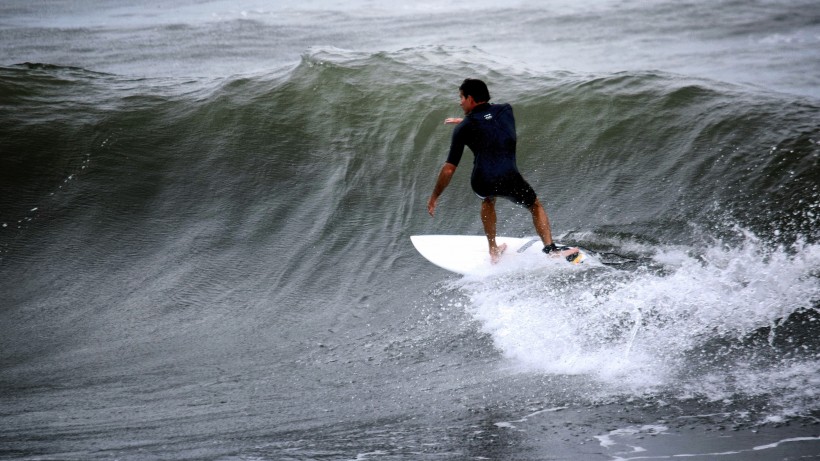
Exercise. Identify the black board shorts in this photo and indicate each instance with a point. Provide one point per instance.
(512, 187)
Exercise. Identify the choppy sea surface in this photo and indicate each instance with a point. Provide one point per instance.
(205, 212)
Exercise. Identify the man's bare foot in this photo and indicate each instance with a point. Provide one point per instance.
(572, 255)
(496, 255)
(569, 252)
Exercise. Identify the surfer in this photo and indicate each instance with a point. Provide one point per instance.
(489, 131)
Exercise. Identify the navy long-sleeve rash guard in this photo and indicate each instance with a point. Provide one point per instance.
(489, 131)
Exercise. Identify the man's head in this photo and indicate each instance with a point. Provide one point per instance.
(475, 88)
(473, 92)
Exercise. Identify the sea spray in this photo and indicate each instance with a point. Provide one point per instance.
(664, 324)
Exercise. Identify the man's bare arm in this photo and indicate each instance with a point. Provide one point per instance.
(443, 180)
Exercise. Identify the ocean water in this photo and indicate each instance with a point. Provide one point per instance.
(205, 212)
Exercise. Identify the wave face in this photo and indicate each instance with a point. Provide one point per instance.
(246, 241)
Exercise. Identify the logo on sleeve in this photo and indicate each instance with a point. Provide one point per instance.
(488, 116)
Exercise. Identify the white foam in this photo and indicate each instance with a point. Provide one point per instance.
(511, 424)
(780, 442)
(608, 440)
(633, 329)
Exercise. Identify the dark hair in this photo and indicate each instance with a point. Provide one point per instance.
(475, 88)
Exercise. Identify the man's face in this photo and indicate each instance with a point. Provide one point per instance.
(467, 104)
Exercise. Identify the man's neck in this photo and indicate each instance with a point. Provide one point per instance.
(479, 107)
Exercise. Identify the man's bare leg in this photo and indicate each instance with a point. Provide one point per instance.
(541, 222)
(542, 226)
(488, 219)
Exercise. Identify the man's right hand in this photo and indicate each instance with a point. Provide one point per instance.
(431, 205)
(452, 121)
(443, 180)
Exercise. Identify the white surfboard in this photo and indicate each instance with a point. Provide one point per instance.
(469, 254)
